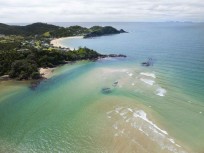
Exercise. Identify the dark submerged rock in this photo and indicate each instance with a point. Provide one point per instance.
(35, 84)
(123, 31)
(117, 55)
(106, 90)
(115, 84)
(149, 62)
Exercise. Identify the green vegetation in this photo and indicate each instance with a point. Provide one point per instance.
(22, 61)
(24, 49)
(29, 30)
(46, 34)
(24, 69)
(48, 30)
(101, 31)
(69, 31)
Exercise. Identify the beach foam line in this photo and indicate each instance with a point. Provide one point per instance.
(148, 74)
(147, 81)
(141, 114)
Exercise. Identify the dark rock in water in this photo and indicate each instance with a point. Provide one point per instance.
(123, 31)
(34, 85)
(145, 64)
(110, 55)
(115, 84)
(106, 90)
(116, 55)
(149, 62)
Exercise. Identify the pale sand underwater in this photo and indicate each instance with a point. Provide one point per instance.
(93, 120)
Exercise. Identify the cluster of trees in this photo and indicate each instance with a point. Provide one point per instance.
(69, 31)
(24, 64)
(24, 69)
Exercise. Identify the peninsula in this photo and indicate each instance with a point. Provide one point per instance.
(26, 49)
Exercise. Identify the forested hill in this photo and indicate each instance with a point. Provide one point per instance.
(28, 30)
(49, 30)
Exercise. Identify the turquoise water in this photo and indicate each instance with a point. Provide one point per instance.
(177, 48)
(70, 113)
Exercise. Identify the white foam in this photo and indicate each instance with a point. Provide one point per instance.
(116, 134)
(130, 74)
(141, 114)
(178, 145)
(133, 84)
(172, 140)
(148, 74)
(115, 126)
(122, 131)
(139, 120)
(123, 113)
(117, 110)
(147, 81)
(109, 112)
(109, 116)
(161, 92)
(130, 109)
(128, 120)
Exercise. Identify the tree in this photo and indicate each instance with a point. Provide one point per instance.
(24, 69)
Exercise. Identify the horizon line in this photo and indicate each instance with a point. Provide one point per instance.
(103, 22)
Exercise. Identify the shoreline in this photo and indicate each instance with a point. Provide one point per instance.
(56, 42)
(46, 72)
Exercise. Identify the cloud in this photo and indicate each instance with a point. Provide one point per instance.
(100, 10)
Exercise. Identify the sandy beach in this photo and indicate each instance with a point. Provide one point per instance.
(46, 72)
(57, 42)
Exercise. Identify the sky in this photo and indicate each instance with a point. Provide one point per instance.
(24, 11)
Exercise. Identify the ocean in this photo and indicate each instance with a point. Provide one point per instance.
(114, 104)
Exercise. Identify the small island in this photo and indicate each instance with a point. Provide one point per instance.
(25, 50)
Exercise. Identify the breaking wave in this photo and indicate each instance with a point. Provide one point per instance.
(137, 119)
(148, 74)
